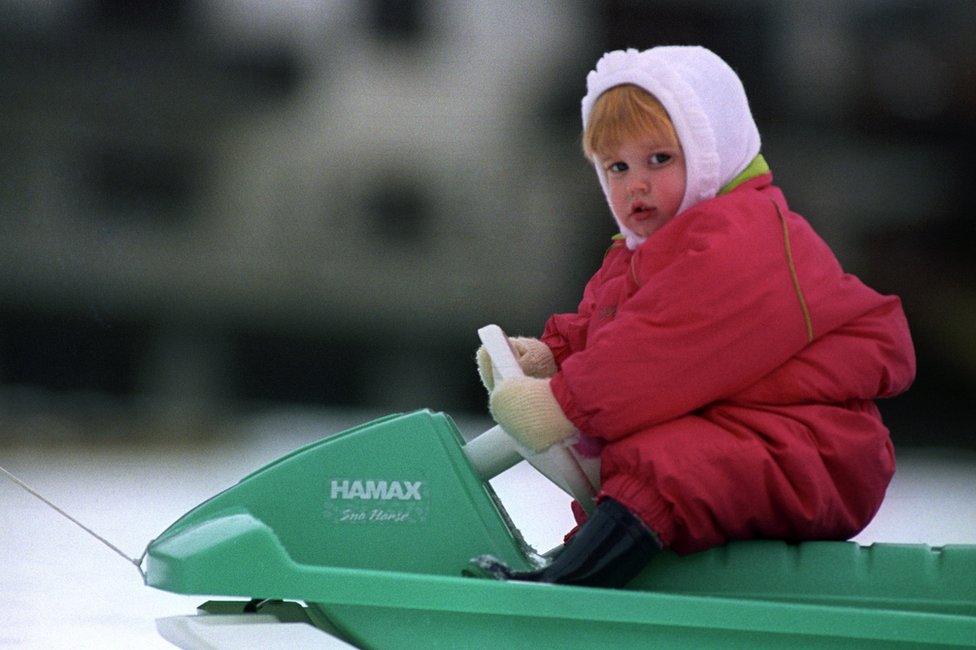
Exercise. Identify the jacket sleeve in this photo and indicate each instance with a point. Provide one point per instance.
(714, 311)
(565, 334)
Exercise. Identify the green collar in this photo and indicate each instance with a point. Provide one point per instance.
(757, 167)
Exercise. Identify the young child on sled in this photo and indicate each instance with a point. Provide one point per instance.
(721, 362)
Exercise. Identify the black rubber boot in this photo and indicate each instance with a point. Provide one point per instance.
(607, 551)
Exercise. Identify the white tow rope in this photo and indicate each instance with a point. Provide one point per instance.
(32, 491)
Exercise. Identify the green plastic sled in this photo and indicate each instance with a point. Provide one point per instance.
(363, 536)
(370, 528)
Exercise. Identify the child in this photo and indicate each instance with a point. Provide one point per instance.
(720, 361)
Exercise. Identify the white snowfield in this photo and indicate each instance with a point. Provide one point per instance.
(63, 589)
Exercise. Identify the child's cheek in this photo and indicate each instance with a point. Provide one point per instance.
(623, 210)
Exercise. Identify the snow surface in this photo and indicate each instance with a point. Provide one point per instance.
(63, 589)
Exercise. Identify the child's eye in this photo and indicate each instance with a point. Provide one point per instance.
(617, 167)
(659, 158)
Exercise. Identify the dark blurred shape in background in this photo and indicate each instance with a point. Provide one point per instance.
(213, 208)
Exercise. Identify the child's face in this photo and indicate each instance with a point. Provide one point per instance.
(646, 180)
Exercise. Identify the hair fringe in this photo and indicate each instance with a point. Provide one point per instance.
(623, 113)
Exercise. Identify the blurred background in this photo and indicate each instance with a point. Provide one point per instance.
(215, 210)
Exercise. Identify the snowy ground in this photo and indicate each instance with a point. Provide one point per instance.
(63, 589)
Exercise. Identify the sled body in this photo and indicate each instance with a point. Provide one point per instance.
(364, 534)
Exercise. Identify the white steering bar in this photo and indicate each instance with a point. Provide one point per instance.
(494, 451)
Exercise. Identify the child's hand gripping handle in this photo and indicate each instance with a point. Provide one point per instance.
(494, 451)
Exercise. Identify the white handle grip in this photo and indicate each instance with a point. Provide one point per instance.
(495, 451)
(503, 361)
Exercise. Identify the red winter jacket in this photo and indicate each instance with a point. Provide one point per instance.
(729, 366)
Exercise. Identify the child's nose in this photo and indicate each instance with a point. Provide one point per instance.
(639, 186)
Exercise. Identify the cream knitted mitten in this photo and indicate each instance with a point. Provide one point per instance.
(526, 408)
(533, 356)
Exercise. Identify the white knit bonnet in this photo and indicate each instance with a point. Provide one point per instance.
(704, 99)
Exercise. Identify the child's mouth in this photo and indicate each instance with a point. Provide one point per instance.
(642, 213)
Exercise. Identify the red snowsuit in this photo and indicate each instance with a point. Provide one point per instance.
(729, 366)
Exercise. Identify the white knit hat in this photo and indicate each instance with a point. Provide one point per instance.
(704, 99)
